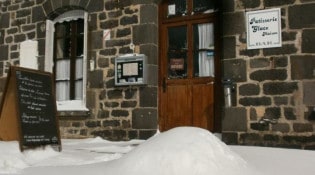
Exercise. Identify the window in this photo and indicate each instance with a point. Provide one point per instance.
(66, 52)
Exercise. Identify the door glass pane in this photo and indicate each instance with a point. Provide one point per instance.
(177, 52)
(176, 8)
(203, 6)
(203, 50)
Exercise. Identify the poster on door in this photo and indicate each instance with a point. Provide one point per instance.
(264, 28)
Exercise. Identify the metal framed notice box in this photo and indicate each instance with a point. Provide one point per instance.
(131, 70)
(264, 28)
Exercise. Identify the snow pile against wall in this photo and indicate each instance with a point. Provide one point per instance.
(182, 151)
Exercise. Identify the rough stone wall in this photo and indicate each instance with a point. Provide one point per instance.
(272, 83)
(115, 113)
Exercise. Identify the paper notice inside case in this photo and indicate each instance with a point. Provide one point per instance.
(172, 9)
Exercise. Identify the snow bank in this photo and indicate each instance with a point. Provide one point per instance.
(182, 151)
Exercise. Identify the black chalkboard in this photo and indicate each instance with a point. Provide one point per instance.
(36, 108)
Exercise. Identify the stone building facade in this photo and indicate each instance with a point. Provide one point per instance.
(272, 84)
(115, 113)
(274, 87)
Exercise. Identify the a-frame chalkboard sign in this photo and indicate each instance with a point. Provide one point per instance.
(28, 109)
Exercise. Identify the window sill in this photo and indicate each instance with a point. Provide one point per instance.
(73, 114)
(74, 109)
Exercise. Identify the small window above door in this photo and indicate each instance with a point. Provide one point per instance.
(179, 8)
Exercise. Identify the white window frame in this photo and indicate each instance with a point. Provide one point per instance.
(69, 105)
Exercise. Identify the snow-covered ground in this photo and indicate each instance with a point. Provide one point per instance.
(180, 151)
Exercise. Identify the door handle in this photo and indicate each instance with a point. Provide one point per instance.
(164, 84)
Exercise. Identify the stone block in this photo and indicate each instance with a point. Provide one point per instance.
(144, 118)
(114, 94)
(151, 51)
(2, 79)
(289, 36)
(92, 124)
(255, 101)
(148, 14)
(301, 16)
(131, 93)
(96, 40)
(146, 134)
(148, 97)
(230, 138)
(130, 11)
(38, 14)
(111, 104)
(234, 119)
(135, 2)
(106, 134)
(272, 113)
(308, 41)
(123, 32)
(303, 127)
(295, 139)
(23, 13)
(289, 114)
(259, 63)
(110, 83)
(109, 24)
(280, 61)
(110, 73)
(259, 127)
(253, 114)
(235, 69)
(144, 34)
(95, 79)
(128, 20)
(103, 62)
(279, 88)
(120, 113)
(281, 100)
(128, 104)
(229, 47)
(19, 38)
(111, 123)
(152, 75)
(118, 42)
(124, 50)
(103, 114)
(249, 89)
(250, 3)
(272, 74)
(310, 114)
(108, 52)
(133, 134)
(233, 23)
(271, 138)
(227, 5)
(250, 53)
(281, 127)
(302, 67)
(273, 3)
(5, 20)
(95, 6)
(119, 135)
(47, 7)
(4, 54)
(284, 50)
(250, 138)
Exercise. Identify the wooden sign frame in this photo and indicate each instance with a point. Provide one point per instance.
(28, 109)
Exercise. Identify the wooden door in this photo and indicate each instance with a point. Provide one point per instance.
(188, 66)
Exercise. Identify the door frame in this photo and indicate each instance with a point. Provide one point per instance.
(218, 88)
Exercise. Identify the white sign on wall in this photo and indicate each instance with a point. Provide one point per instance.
(264, 28)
